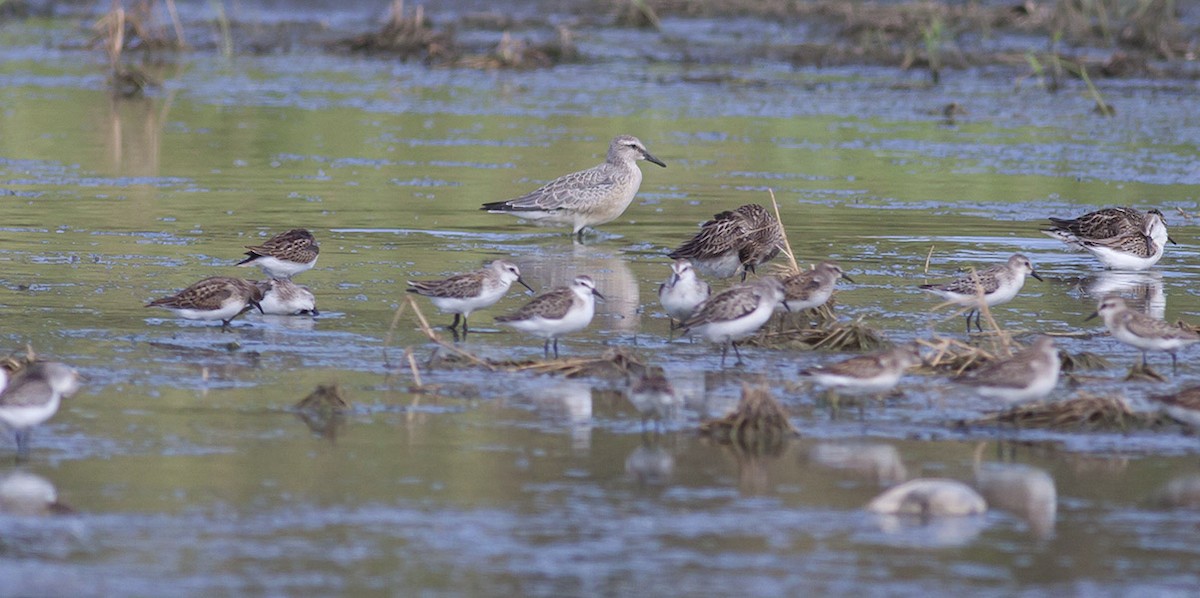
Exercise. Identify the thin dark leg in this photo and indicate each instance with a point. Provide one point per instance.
(1174, 365)
(556, 347)
(464, 327)
(225, 327)
(738, 353)
(978, 315)
(546, 349)
(724, 351)
(22, 444)
(453, 325)
(969, 321)
(1143, 359)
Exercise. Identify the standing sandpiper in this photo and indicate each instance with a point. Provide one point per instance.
(587, 198)
(284, 255)
(557, 312)
(1121, 238)
(744, 239)
(867, 374)
(462, 294)
(1142, 331)
(1030, 375)
(812, 288)
(682, 292)
(998, 284)
(33, 397)
(217, 298)
(282, 297)
(736, 313)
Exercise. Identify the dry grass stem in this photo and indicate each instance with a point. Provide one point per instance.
(787, 245)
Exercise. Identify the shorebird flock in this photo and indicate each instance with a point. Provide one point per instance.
(732, 243)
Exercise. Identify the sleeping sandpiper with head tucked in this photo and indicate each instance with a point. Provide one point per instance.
(999, 284)
(1030, 375)
(682, 292)
(33, 396)
(462, 294)
(557, 312)
(877, 373)
(1183, 406)
(1142, 331)
(740, 239)
(587, 198)
(217, 298)
(282, 297)
(284, 255)
(736, 313)
(1121, 238)
(811, 288)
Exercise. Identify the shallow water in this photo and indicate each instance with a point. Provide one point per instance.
(187, 469)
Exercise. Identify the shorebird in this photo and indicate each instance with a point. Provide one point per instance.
(867, 374)
(217, 298)
(999, 284)
(736, 313)
(1142, 331)
(811, 288)
(557, 312)
(29, 495)
(282, 297)
(33, 396)
(682, 292)
(1121, 238)
(1183, 405)
(587, 198)
(1030, 375)
(744, 239)
(929, 497)
(462, 294)
(653, 396)
(284, 255)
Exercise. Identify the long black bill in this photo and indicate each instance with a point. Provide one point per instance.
(650, 158)
(1094, 315)
(1035, 275)
(1171, 241)
(848, 279)
(526, 286)
(598, 295)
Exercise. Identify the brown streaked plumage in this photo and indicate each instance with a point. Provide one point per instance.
(999, 284)
(875, 373)
(1183, 405)
(744, 238)
(215, 298)
(282, 297)
(1141, 331)
(557, 312)
(736, 313)
(462, 294)
(1029, 375)
(285, 254)
(33, 397)
(811, 288)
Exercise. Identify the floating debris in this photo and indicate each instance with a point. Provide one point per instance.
(1084, 411)
(758, 424)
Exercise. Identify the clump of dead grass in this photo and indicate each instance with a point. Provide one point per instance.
(1082, 412)
(832, 336)
(407, 35)
(758, 424)
(521, 54)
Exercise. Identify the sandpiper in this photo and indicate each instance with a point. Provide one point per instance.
(217, 298)
(1183, 405)
(744, 239)
(33, 396)
(1030, 375)
(811, 288)
(284, 255)
(998, 284)
(736, 313)
(867, 374)
(682, 292)
(557, 312)
(282, 297)
(462, 294)
(1121, 238)
(1142, 331)
(587, 198)
(653, 396)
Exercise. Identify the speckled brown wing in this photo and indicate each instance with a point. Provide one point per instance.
(988, 278)
(208, 294)
(727, 231)
(553, 305)
(863, 366)
(1135, 243)
(799, 287)
(27, 389)
(764, 236)
(730, 304)
(296, 245)
(1188, 398)
(572, 191)
(1145, 326)
(1009, 373)
(459, 286)
(1102, 224)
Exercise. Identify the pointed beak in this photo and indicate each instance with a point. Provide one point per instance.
(848, 279)
(598, 295)
(785, 305)
(260, 309)
(1171, 241)
(674, 278)
(1094, 315)
(650, 158)
(1034, 274)
(525, 285)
